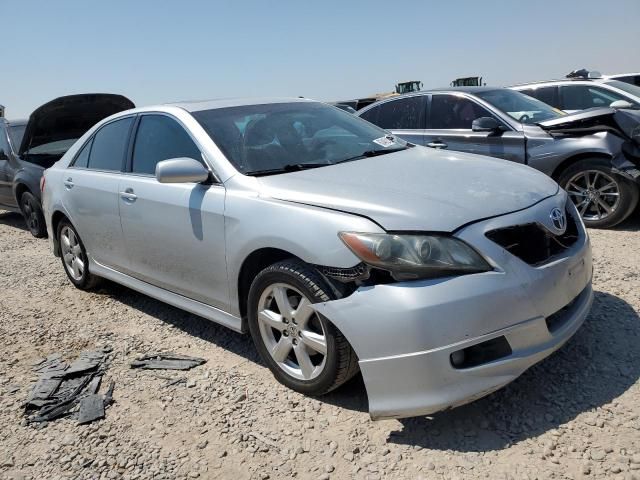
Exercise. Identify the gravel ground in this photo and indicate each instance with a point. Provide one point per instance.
(574, 415)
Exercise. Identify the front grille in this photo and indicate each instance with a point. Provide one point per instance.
(533, 243)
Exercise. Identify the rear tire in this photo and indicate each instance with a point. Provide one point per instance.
(303, 350)
(33, 215)
(74, 257)
(603, 198)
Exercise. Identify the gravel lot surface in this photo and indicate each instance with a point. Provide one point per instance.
(575, 415)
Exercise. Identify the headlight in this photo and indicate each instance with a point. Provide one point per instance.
(411, 256)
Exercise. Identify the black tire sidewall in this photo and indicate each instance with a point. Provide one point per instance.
(86, 281)
(275, 274)
(628, 190)
(41, 231)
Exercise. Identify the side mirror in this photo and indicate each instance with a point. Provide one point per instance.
(3, 156)
(181, 170)
(486, 124)
(621, 104)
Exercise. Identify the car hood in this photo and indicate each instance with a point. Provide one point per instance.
(69, 117)
(417, 189)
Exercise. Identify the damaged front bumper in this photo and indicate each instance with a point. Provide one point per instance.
(408, 336)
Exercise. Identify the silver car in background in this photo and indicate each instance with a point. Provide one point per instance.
(441, 276)
(578, 151)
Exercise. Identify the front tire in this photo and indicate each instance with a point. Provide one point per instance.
(74, 257)
(603, 198)
(33, 216)
(303, 350)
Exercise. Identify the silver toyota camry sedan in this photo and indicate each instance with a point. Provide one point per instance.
(441, 276)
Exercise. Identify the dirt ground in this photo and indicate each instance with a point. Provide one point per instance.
(574, 415)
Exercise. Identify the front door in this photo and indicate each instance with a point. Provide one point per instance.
(449, 127)
(174, 233)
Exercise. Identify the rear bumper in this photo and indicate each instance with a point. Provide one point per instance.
(404, 333)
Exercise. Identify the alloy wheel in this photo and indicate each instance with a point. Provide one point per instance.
(292, 332)
(595, 194)
(72, 255)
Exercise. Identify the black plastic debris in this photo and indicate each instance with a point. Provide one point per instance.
(167, 361)
(91, 408)
(65, 390)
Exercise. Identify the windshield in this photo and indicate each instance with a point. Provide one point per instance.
(520, 107)
(627, 87)
(279, 137)
(16, 132)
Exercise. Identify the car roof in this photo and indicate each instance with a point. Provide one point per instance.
(460, 89)
(199, 105)
(563, 80)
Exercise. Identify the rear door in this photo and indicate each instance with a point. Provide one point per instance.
(174, 233)
(449, 127)
(91, 197)
(404, 117)
(6, 170)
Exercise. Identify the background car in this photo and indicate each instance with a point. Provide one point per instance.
(503, 123)
(28, 148)
(334, 244)
(582, 91)
(632, 78)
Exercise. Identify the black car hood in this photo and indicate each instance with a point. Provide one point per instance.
(69, 117)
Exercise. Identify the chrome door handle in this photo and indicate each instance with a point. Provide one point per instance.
(128, 195)
(68, 183)
(437, 144)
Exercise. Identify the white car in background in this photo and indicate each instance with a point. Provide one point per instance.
(584, 90)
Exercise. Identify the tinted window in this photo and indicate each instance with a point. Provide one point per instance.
(455, 112)
(109, 145)
(16, 132)
(82, 159)
(517, 105)
(579, 97)
(161, 138)
(4, 143)
(405, 113)
(544, 94)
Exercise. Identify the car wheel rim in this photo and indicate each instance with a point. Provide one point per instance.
(292, 332)
(30, 215)
(72, 256)
(595, 194)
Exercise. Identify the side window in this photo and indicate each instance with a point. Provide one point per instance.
(82, 159)
(371, 115)
(161, 138)
(4, 144)
(109, 145)
(450, 112)
(547, 95)
(404, 113)
(579, 97)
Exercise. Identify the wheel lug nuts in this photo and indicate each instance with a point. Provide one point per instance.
(295, 341)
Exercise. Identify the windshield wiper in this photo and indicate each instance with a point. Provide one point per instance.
(290, 167)
(374, 153)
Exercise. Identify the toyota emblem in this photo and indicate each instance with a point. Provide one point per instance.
(558, 219)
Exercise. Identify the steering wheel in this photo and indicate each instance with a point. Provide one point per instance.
(524, 118)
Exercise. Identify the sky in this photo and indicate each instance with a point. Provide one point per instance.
(164, 51)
